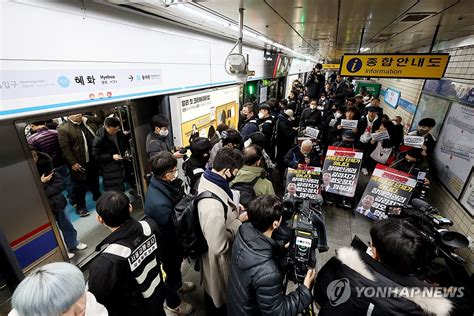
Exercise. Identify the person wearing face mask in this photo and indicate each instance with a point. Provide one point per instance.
(330, 130)
(412, 162)
(267, 127)
(303, 156)
(368, 124)
(196, 164)
(157, 139)
(250, 121)
(398, 132)
(311, 116)
(256, 280)
(164, 192)
(340, 90)
(347, 140)
(219, 228)
(424, 127)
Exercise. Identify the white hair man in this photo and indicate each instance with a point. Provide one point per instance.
(300, 157)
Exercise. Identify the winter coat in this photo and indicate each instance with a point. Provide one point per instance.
(256, 282)
(250, 126)
(331, 133)
(341, 92)
(362, 126)
(103, 149)
(285, 135)
(294, 157)
(356, 270)
(72, 143)
(156, 143)
(213, 152)
(310, 117)
(266, 126)
(53, 187)
(219, 234)
(193, 169)
(247, 174)
(160, 200)
(315, 85)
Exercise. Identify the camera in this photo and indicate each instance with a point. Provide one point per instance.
(305, 229)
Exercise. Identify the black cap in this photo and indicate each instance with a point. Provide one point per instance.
(429, 122)
(348, 134)
(415, 153)
(264, 106)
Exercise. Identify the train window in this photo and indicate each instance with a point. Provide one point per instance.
(78, 157)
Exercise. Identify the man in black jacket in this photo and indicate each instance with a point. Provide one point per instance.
(256, 281)
(382, 283)
(341, 90)
(315, 83)
(195, 166)
(311, 116)
(306, 155)
(286, 135)
(267, 127)
(126, 277)
(110, 148)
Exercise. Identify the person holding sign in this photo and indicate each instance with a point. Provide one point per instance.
(300, 157)
(330, 131)
(368, 124)
(424, 127)
(383, 148)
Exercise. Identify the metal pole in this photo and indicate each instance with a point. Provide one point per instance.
(241, 28)
(361, 38)
(434, 37)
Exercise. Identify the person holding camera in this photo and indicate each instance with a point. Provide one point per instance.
(315, 83)
(256, 281)
(348, 283)
(110, 148)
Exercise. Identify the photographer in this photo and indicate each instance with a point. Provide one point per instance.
(256, 282)
(398, 250)
(315, 83)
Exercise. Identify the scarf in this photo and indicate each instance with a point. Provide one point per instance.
(219, 181)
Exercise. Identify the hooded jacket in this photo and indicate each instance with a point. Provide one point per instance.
(344, 276)
(256, 282)
(247, 174)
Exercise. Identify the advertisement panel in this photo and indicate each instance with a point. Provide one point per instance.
(202, 112)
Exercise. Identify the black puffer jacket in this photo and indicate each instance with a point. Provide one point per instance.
(256, 283)
(286, 135)
(53, 187)
(311, 117)
(294, 157)
(103, 149)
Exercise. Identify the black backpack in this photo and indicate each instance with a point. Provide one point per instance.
(186, 220)
(247, 193)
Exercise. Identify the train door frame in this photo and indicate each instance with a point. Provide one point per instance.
(20, 125)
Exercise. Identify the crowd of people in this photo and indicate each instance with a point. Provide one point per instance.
(138, 270)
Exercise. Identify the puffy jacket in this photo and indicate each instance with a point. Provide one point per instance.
(53, 187)
(193, 168)
(285, 135)
(250, 126)
(247, 174)
(103, 149)
(156, 143)
(294, 157)
(341, 91)
(315, 85)
(256, 282)
(355, 271)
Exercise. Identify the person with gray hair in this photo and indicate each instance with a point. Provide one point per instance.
(55, 289)
(300, 157)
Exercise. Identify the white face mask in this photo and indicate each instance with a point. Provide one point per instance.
(320, 107)
(164, 133)
(338, 115)
(312, 107)
(260, 115)
(395, 122)
(323, 98)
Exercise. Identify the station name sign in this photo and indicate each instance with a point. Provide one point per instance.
(410, 66)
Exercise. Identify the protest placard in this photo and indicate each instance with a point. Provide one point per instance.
(311, 132)
(387, 187)
(341, 170)
(303, 183)
(349, 124)
(413, 141)
(380, 135)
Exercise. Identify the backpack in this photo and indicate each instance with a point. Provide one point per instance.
(247, 193)
(186, 220)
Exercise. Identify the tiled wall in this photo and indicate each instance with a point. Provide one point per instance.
(410, 90)
(461, 63)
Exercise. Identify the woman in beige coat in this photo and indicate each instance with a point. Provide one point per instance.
(218, 230)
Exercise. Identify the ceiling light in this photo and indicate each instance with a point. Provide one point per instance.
(365, 49)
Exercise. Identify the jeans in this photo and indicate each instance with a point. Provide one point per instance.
(69, 232)
(67, 179)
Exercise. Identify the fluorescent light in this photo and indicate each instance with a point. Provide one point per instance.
(365, 49)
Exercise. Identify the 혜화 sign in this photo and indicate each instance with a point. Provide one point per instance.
(341, 170)
(386, 187)
(421, 66)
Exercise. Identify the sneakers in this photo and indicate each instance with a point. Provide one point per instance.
(81, 246)
(183, 308)
(365, 172)
(70, 255)
(82, 212)
(187, 287)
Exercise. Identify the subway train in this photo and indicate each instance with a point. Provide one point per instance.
(191, 61)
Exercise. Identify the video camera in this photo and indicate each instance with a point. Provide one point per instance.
(304, 225)
(433, 226)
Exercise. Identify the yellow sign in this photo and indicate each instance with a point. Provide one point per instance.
(415, 66)
(330, 66)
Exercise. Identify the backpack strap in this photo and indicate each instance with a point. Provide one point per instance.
(210, 195)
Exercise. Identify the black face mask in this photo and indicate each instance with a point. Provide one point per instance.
(229, 179)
